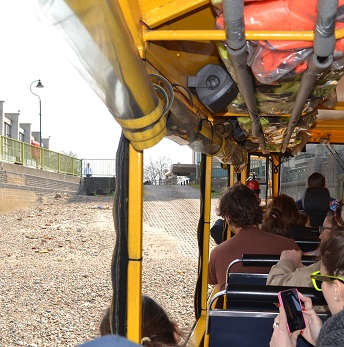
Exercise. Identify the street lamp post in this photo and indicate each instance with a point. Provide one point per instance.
(39, 85)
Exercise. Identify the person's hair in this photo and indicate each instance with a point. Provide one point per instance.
(316, 179)
(336, 214)
(156, 325)
(241, 205)
(274, 223)
(304, 219)
(332, 252)
(158, 329)
(288, 208)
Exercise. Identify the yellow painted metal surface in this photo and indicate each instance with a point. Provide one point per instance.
(135, 235)
(158, 12)
(132, 14)
(220, 35)
(244, 176)
(207, 207)
(275, 175)
(179, 47)
(197, 334)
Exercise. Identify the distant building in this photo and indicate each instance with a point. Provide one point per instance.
(10, 127)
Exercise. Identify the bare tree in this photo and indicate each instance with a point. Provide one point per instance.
(70, 154)
(154, 172)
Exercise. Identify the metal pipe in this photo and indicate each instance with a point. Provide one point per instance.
(233, 11)
(186, 127)
(321, 59)
(220, 35)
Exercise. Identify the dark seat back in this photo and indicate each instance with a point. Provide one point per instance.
(315, 202)
(268, 260)
(250, 326)
(244, 280)
(244, 329)
(308, 244)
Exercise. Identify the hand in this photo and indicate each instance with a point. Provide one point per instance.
(280, 336)
(313, 322)
(294, 256)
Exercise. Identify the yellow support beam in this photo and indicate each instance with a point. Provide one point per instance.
(135, 236)
(207, 206)
(275, 174)
(243, 176)
(220, 35)
(158, 12)
(132, 14)
(231, 176)
(197, 334)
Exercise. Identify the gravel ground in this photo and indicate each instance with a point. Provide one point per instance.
(55, 264)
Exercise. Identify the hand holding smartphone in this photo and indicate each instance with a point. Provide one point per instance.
(291, 302)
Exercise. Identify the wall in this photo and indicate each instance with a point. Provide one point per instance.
(21, 187)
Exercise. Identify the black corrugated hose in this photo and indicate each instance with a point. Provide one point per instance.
(119, 265)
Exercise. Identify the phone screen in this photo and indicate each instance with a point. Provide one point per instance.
(291, 302)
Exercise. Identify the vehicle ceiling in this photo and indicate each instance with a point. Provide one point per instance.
(119, 42)
(178, 59)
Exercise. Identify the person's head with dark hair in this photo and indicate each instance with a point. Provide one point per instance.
(239, 206)
(274, 223)
(332, 264)
(288, 208)
(334, 219)
(316, 179)
(157, 327)
(305, 220)
(158, 330)
(329, 280)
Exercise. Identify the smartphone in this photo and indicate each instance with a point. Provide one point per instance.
(292, 305)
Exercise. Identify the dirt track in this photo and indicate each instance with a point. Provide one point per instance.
(55, 264)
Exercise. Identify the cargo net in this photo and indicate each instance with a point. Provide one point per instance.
(277, 68)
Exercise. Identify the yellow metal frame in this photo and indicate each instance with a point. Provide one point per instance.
(220, 35)
(275, 175)
(207, 206)
(156, 13)
(135, 236)
(198, 332)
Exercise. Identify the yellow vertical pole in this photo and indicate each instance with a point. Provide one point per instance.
(205, 255)
(231, 176)
(275, 174)
(244, 175)
(135, 236)
(207, 206)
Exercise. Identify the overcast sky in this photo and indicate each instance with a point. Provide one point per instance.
(72, 114)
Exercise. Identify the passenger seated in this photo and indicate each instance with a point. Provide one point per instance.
(329, 280)
(316, 179)
(240, 207)
(157, 328)
(315, 200)
(283, 218)
(219, 231)
(289, 271)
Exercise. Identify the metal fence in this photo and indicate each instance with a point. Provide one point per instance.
(25, 154)
(100, 167)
